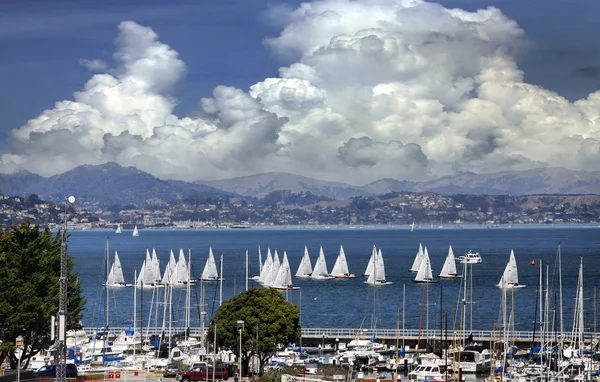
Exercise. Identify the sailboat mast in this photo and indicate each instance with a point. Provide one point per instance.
(188, 295)
(221, 283)
(403, 307)
(134, 314)
(246, 270)
(106, 285)
(560, 300)
(541, 306)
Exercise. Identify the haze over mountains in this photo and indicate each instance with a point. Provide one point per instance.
(111, 183)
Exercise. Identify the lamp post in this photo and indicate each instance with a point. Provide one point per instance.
(19, 341)
(240, 326)
(323, 345)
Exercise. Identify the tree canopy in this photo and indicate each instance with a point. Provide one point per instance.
(269, 321)
(29, 289)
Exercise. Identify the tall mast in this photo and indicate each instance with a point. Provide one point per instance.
(560, 299)
(246, 270)
(106, 284)
(134, 314)
(221, 284)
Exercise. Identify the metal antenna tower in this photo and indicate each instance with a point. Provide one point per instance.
(60, 344)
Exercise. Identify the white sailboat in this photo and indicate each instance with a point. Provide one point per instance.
(340, 268)
(273, 271)
(510, 277)
(283, 281)
(369, 269)
(418, 259)
(210, 272)
(169, 270)
(266, 269)
(412, 226)
(146, 275)
(449, 268)
(424, 275)
(135, 231)
(320, 270)
(377, 277)
(156, 267)
(305, 267)
(115, 277)
(260, 266)
(180, 277)
(119, 228)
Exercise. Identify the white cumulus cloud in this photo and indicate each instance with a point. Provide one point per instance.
(374, 88)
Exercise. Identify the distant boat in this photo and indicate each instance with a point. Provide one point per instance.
(115, 277)
(118, 228)
(424, 275)
(340, 268)
(283, 281)
(210, 272)
(510, 277)
(320, 270)
(135, 231)
(305, 267)
(412, 226)
(377, 277)
(418, 259)
(240, 226)
(449, 268)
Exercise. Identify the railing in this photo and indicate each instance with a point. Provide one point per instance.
(346, 333)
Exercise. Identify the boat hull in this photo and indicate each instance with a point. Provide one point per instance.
(451, 277)
(425, 281)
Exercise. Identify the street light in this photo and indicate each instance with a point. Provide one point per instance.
(240, 326)
(19, 341)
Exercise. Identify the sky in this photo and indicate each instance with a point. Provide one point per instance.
(342, 90)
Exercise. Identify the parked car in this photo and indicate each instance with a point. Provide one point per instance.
(203, 373)
(50, 371)
(171, 370)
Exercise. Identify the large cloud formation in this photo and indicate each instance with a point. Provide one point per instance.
(387, 88)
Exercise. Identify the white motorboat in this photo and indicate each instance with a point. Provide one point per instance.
(469, 258)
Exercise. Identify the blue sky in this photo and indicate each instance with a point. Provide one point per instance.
(221, 42)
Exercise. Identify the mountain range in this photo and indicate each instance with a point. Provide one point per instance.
(111, 183)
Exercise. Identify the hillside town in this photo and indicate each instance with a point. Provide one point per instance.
(306, 209)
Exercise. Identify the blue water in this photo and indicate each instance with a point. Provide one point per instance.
(350, 303)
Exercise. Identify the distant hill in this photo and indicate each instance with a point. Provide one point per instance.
(105, 184)
(260, 185)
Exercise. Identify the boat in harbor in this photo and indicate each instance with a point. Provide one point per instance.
(425, 275)
(510, 277)
(469, 258)
(449, 268)
(320, 270)
(135, 231)
(418, 258)
(305, 267)
(340, 268)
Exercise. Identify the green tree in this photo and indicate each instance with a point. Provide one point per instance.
(269, 321)
(29, 289)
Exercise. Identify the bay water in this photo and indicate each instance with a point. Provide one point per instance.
(350, 303)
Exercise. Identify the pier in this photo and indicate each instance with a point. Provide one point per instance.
(316, 336)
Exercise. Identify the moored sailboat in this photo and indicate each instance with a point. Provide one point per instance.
(510, 277)
(449, 268)
(340, 268)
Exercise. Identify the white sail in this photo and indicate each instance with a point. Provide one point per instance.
(119, 230)
(510, 277)
(449, 268)
(266, 269)
(424, 275)
(210, 272)
(270, 279)
(305, 268)
(169, 270)
(140, 279)
(149, 274)
(115, 276)
(377, 277)
(320, 269)
(412, 226)
(135, 231)
(155, 266)
(418, 258)
(369, 269)
(181, 270)
(284, 276)
(340, 268)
